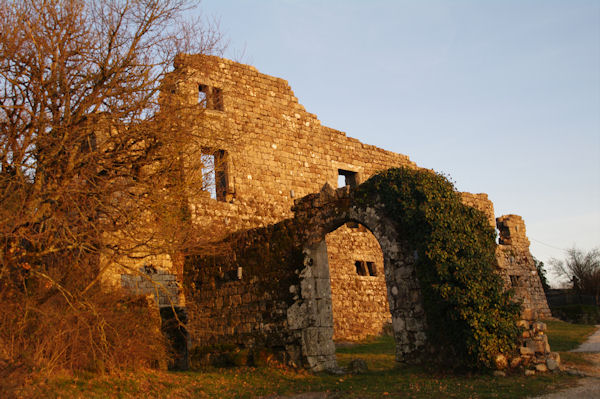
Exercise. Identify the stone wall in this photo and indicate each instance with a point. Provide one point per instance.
(482, 203)
(268, 152)
(517, 267)
(241, 296)
(277, 152)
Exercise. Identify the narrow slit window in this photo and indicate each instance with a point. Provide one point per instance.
(515, 280)
(347, 178)
(371, 268)
(203, 96)
(215, 177)
(208, 174)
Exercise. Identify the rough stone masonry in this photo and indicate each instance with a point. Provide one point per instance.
(266, 156)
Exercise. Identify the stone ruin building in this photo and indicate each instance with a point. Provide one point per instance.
(345, 276)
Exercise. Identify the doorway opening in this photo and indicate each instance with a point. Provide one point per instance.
(358, 289)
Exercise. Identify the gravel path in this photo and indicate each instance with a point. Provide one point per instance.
(592, 344)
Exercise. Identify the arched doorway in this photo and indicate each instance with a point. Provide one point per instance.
(312, 312)
(358, 290)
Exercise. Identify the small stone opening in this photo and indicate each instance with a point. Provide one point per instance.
(347, 178)
(515, 280)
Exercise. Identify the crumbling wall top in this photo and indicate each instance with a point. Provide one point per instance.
(512, 231)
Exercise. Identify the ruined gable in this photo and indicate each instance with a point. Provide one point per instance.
(261, 155)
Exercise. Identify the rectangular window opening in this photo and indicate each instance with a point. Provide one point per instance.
(361, 270)
(210, 97)
(347, 178)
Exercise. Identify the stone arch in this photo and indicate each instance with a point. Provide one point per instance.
(311, 317)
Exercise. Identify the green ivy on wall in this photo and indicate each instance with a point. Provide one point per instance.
(471, 319)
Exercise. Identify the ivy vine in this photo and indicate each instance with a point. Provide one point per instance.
(471, 319)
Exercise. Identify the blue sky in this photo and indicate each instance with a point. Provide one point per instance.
(503, 96)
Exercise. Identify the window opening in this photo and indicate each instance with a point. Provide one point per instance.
(371, 268)
(203, 96)
(346, 178)
(210, 97)
(214, 174)
(361, 270)
(514, 280)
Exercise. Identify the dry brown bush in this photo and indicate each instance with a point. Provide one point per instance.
(90, 175)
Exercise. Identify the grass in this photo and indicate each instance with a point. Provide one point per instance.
(385, 378)
(564, 336)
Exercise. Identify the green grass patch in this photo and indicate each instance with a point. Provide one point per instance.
(385, 378)
(564, 336)
(576, 359)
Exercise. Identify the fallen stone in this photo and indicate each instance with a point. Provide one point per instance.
(552, 365)
(529, 372)
(501, 362)
(498, 373)
(515, 362)
(555, 356)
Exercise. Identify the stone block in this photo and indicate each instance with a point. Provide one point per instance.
(537, 346)
(324, 313)
(541, 368)
(317, 341)
(307, 288)
(526, 351)
(322, 288)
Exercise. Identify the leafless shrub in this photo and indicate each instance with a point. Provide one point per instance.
(91, 174)
(582, 269)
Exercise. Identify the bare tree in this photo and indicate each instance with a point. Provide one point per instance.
(91, 167)
(582, 269)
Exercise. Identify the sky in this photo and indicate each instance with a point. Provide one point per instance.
(502, 96)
